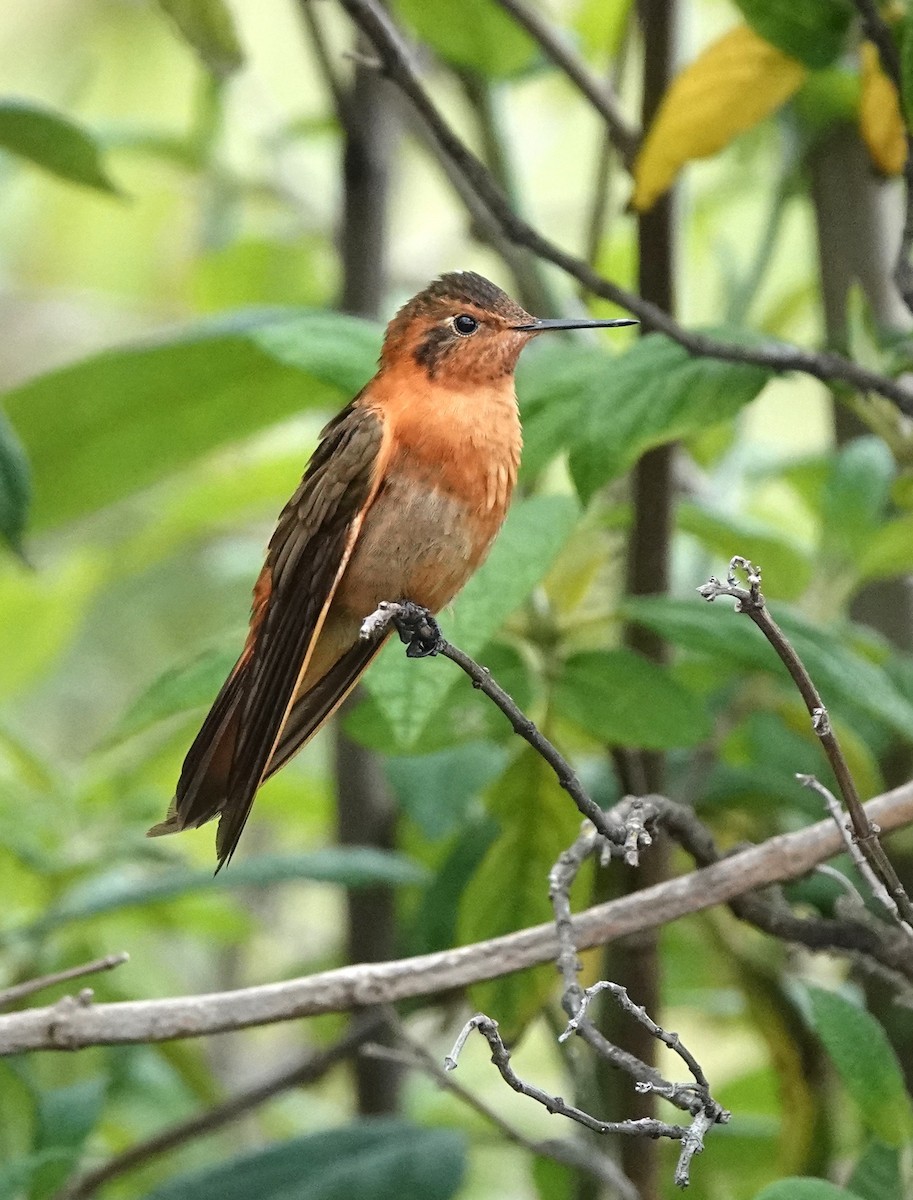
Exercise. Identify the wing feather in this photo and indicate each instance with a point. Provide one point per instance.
(307, 556)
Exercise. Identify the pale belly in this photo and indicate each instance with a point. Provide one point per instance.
(417, 543)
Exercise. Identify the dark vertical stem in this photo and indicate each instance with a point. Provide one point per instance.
(366, 814)
(857, 220)
(636, 963)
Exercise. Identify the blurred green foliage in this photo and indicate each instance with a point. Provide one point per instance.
(158, 408)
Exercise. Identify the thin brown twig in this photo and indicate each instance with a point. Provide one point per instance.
(751, 602)
(423, 631)
(876, 885)
(570, 1153)
(309, 1071)
(777, 357)
(500, 1056)
(19, 991)
(625, 136)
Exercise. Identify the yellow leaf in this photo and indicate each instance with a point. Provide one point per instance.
(735, 83)
(880, 122)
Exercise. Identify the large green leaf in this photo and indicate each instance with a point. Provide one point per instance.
(138, 413)
(843, 674)
(15, 486)
(866, 1063)
(805, 1189)
(877, 1174)
(180, 689)
(478, 35)
(348, 866)
(383, 1159)
(622, 699)
(854, 499)
(208, 26)
(41, 612)
(53, 142)
(813, 31)
(510, 889)
(66, 1116)
(610, 410)
(411, 692)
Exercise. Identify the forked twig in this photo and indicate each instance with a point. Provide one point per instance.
(750, 601)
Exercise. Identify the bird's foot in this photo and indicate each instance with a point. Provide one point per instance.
(418, 630)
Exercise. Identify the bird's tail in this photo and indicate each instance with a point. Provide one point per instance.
(203, 787)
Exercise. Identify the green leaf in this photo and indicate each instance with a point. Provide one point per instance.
(842, 673)
(482, 37)
(435, 790)
(805, 1189)
(410, 692)
(813, 31)
(382, 1159)
(786, 565)
(15, 486)
(53, 142)
(624, 700)
(510, 889)
(180, 689)
(434, 925)
(889, 551)
(140, 413)
(855, 495)
(877, 1174)
(348, 866)
(208, 26)
(467, 720)
(66, 1117)
(653, 393)
(42, 611)
(866, 1063)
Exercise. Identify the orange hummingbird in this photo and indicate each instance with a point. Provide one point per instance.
(401, 501)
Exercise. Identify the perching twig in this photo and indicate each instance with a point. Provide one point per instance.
(378, 28)
(19, 991)
(420, 630)
(751, 602)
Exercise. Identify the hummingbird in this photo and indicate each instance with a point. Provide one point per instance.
(401, 501)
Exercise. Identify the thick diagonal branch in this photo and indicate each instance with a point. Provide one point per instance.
(396, 64)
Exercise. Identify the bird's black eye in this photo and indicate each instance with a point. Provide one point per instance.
(464, 324)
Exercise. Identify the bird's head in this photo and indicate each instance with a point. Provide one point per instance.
(463, 329)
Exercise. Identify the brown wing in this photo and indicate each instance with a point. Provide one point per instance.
(307, 554)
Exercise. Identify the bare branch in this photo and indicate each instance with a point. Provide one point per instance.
(751, 602)
(397, 66)
(19, 991)
(500, 1056)
(571, 1153)
(624, 135)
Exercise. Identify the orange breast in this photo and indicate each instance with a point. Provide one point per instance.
(448, 483)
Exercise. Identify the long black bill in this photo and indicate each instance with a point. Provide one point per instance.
(560, 323)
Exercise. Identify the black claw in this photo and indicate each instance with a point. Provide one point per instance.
(418, 630)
